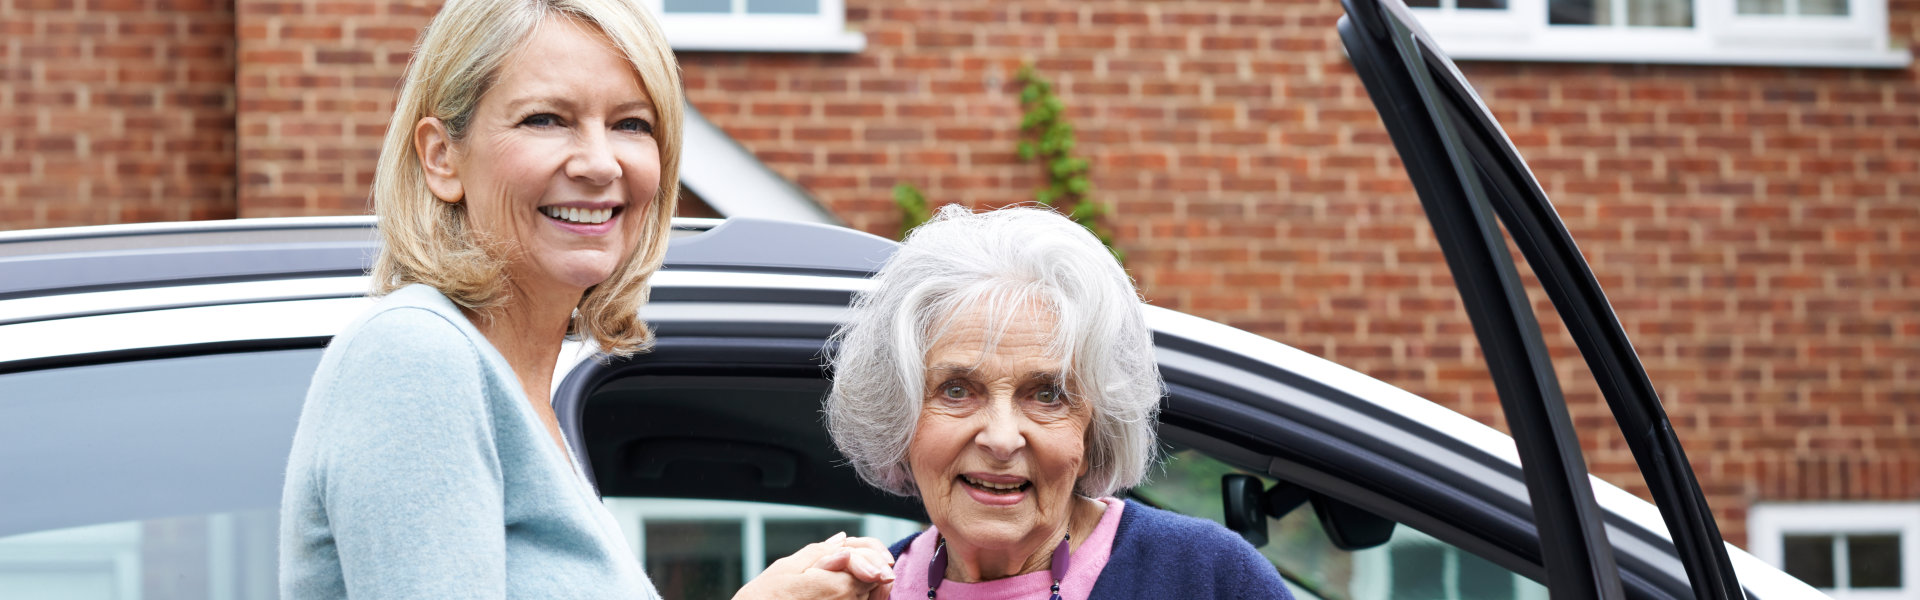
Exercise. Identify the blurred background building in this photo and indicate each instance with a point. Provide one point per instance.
(1744, 176)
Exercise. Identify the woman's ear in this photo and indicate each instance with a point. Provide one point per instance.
(435, 149)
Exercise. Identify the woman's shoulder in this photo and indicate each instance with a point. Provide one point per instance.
(1168, 527)
(1150, 540)
(415, 319)
(412, 337)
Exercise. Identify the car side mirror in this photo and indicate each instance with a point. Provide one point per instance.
(1248, 507)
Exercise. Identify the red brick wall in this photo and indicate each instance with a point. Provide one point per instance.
(115, 111)
(1756, 228)
(317, 80)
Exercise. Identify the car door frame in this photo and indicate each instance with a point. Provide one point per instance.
(1468, 174)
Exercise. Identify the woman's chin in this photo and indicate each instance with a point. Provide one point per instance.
(582, 272)
(989, 535)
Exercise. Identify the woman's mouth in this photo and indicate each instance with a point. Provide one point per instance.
(583, 216)
(1005, 486)
(995, 490)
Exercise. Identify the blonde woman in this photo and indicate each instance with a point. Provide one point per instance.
(524, 193)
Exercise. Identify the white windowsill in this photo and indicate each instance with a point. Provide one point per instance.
(845, 42)
(1465, 48)
(1717, 37)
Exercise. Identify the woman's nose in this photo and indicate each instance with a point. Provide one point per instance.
(593, 162)
(1000, 435)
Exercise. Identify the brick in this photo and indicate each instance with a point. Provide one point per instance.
(1098, 41)
(1153, 42)
(944, 39)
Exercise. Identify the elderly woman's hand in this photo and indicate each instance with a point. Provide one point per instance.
(840, 567)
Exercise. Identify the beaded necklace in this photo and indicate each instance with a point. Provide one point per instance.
(937, 569)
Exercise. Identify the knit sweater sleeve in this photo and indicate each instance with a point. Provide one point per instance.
(408, 471)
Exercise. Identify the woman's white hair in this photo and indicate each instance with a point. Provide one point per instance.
(1002, 264)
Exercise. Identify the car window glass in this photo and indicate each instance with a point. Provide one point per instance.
(145, 439)
(1410, 565)
(147, 479)
(709, 548)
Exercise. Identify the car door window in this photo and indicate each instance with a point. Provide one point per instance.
(149, 479)
(1411, 565)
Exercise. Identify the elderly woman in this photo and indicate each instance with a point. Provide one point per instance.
(1001, 371)
(524, 193)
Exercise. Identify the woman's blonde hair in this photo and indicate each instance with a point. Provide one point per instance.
(455, 63)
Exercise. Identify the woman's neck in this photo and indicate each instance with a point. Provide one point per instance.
(527, 330)
(970, 565)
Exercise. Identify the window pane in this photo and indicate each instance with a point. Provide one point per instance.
(1484, 4)
(1810, 558)
(694, 559)
(1834, 8)
(1480, 579)
(786, 537)
(1419, 571)
(1873, 561)
(1580, 12)
(697, 6)
(1762, 7)
(125, 441)
(1660, 13)
(783, 7)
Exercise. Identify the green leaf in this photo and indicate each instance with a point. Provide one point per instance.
(913, 207)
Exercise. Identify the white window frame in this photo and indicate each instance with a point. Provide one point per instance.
(738, 31)
(632, 514)
(1767, 524)
(1718, 37)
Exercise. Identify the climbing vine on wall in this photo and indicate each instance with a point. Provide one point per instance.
(1046, 136)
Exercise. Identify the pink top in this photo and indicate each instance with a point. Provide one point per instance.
(910, 570)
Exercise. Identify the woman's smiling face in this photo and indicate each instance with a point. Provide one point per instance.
(998, 446)
(559, 158)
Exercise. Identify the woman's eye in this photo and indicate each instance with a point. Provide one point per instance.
(634, 125)
(540, 120)
(954, 392)
(1047, 395)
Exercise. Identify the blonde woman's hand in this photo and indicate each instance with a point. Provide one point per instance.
(840, 567)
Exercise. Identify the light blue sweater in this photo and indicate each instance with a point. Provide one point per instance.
(420, 471)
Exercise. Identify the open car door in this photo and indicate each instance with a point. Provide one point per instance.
(1468, 174)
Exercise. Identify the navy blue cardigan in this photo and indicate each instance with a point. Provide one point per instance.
(1159, 554)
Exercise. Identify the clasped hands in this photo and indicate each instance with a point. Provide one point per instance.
(839, 567)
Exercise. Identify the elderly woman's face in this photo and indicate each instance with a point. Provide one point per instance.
(560, 157)
(998, 447)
